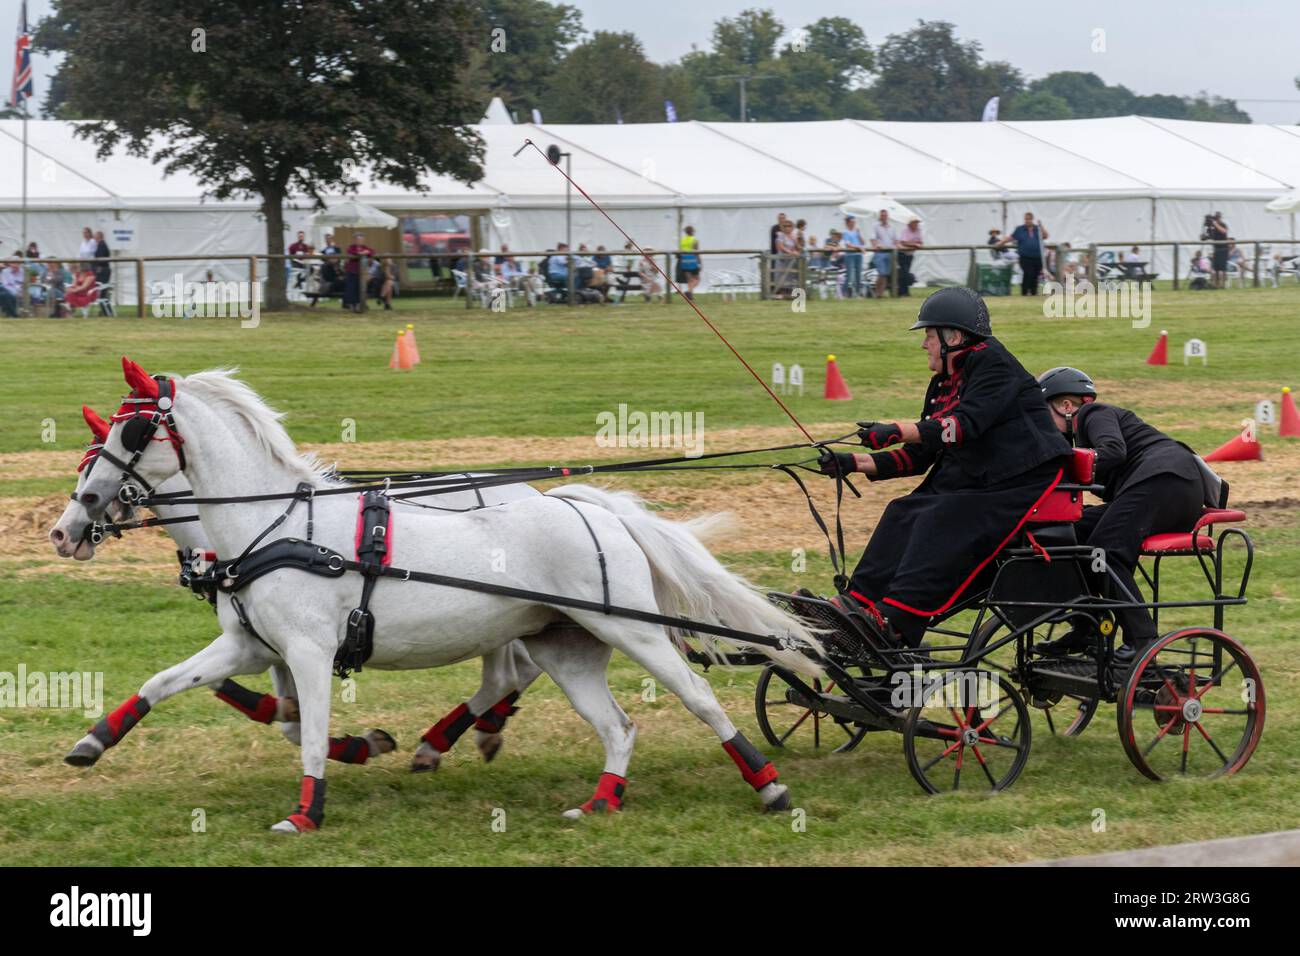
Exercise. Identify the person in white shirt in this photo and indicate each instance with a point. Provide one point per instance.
(89, 246)
(883, 240)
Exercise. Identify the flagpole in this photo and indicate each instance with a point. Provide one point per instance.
(26, 293)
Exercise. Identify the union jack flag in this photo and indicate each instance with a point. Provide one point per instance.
(22, 85)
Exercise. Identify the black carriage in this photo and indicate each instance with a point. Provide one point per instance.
(1191, 703)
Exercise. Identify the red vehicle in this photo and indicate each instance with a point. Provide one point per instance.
(435, 234)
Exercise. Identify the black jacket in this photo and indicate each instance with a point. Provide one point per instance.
(1128, 449)
(985, 424)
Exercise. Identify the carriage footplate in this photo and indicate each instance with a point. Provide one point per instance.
(1054, 676)
(845, 639)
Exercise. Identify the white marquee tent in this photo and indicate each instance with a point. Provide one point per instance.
(1122, 179)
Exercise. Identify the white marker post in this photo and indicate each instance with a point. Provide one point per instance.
(796, 377)
(1195, 348)
(1265, 413)
(778, 376)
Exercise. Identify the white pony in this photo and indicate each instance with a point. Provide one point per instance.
(233, 445)
(507, 672)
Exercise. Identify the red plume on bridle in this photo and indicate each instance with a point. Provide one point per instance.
(98, 427)
(141, 384)
(99, 434)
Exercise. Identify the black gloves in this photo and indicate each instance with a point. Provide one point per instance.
(877, 435)
(836, 462)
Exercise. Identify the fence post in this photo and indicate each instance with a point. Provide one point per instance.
(139, 288)
(764, 275)
(1175, 267)
(893, 272)
(1255, 271)
(1092, 264)
(252, 285)
(469, 275)
(803, 274)
(972, 272)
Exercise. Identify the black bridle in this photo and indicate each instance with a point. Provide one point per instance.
(142, 417)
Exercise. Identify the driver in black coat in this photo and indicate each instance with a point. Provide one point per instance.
(989, 451)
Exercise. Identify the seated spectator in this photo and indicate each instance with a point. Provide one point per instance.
(649, 275)
(383, 281)
(58, 278)
(995, 237)
(11, 289)
(557, 267)
(505, 265)
(82, 292)
(602, 259)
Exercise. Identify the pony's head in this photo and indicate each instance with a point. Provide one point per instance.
(138, 451)
(118, 512)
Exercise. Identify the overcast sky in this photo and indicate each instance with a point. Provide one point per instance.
(1248, 51)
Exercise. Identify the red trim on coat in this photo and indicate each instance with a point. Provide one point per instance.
(980, 567)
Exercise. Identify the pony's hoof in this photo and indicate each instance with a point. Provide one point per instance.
(284, 826)
(286, 710)
(574, 814)
(295, 823)
(380, 741)
(85, 753)
(426, 759)
(776, 797)
(488, 744)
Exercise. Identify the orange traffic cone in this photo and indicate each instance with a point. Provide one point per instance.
(1289, 425)
(410, 338)
(401, 358)
(1238, 448)
(1160, 354)
(837, 390)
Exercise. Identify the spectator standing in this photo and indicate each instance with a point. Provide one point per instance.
(775, 232)
(909, 240)
(854, 247)
(883, 242)
(103, 269)
(688, 261)
(352, 289)
(786, 261)
(1216, 231)
(1028, 239)
(86, 251)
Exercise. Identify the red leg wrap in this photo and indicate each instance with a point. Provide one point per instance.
(114, 726)
(349, 749)
(310, 813)
(254, 706)
(608, 795)
(757, 771)
(444, 734)
(495, 717)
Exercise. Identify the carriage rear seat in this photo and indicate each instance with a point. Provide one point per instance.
(1065, 502)
(1165, 544)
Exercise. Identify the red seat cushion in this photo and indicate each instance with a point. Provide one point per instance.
(1166, 543)
(1082, 465)
(1219, 516)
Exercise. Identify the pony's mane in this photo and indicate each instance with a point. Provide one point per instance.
(218, 387)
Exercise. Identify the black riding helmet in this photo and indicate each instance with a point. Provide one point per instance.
(955, 307)
(1064, 380)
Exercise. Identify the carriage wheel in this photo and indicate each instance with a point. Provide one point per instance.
(1075, 713)
(970, 731)
(793, 725)
(1181, 715)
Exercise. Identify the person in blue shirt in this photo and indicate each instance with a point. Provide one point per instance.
(853, 244)
(1028, 240)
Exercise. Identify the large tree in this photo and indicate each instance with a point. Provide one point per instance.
(927, 73)
(525, 43)
(271, 99)
(605, 79)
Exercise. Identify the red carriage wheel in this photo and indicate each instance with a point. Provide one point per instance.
(788, 721)
(970, 731)
(1192, 706)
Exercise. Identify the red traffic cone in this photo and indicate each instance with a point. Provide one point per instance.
(410, 339)
(404, 361)
(393, 362)
(1238, 448)
(1289, 425)
(837, 390)
(1160, 354)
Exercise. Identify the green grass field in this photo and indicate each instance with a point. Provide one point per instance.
(511, 380)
